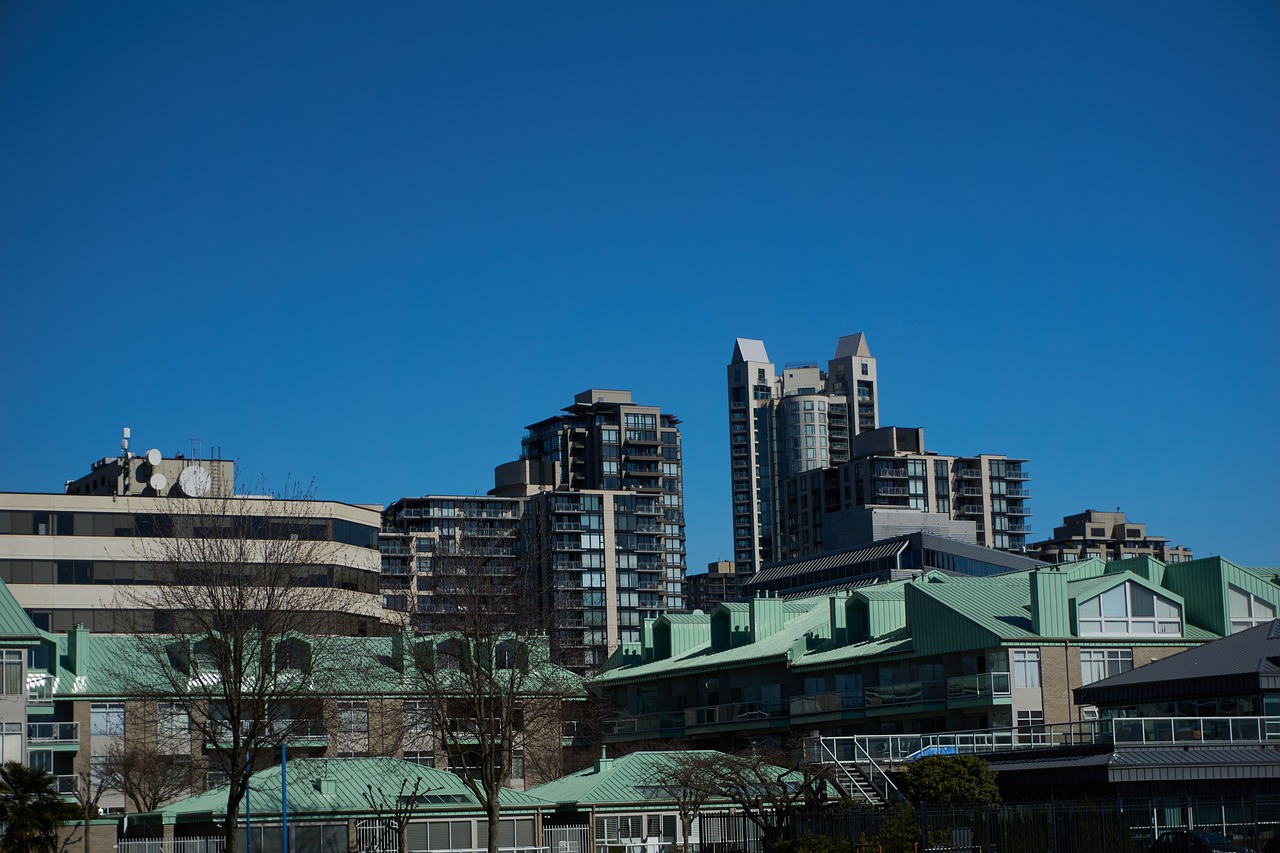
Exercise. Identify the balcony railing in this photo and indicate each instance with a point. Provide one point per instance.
(642, 723)
(910, 693)
(988, 685)
(1016, 474)
(48, 733)
(68, 785)
(732, 712)
(970, 509)
(1018, 492)
(896, 473)
(826, 703)
(1186, 731)
(897, 491)
(970, 473)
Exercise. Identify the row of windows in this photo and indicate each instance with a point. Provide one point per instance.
(41, 523)
(127, 572)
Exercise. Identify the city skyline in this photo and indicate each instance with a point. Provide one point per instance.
(323, 242)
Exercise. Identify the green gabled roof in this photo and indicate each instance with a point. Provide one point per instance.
(894, 643)
(116, 663)
(963, 612)
(1090, 587)
(15, 624)
(633, 779)
(804, 616)
(440, 791)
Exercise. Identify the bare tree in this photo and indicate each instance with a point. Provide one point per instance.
(397, 806)
(770, 784)
(256, 612)
(148, 776)
(495, 693)
(689, 778)
(91, 785)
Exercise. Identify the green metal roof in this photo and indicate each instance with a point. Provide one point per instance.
(15, 624)
(364, 666)
(352, 779)
(806, 617)
(632, 780)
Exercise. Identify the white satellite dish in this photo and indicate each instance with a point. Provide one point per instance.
(159, 481)
(195, 481)
(153, 457)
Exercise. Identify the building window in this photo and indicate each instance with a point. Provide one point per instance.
(1129, 608)
(106, 719)
(11, 683)
(1029, 719)
(422, 757)
(1247, 610)
(1097, 664)
(353, 717)
(174, 721)
(1026, 667)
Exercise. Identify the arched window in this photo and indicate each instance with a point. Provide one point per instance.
(1129, 608)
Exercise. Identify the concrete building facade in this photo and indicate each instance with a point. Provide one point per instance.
(788, 422)
(1107, 536)
(893, 485)
(593, 509)
(92, 556)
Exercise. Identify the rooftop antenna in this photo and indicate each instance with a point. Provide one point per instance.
(196, 442)
(124, 464)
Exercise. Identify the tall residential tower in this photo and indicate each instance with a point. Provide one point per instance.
(782, 425)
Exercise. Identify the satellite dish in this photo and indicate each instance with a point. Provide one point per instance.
(195, 481)
(153, 457)
(159, 481)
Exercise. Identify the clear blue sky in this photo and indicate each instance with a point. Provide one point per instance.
(369, 243)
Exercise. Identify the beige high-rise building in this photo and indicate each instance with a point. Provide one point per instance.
(784, 423)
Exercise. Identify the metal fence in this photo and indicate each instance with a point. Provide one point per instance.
(1110, 826)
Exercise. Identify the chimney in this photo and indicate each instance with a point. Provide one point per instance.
(604, 762)
(1049, 617)
(78, 649)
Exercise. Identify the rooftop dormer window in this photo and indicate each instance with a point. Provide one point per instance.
(1129, 608)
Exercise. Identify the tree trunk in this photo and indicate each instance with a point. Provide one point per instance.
(229, 827)
(494, 811)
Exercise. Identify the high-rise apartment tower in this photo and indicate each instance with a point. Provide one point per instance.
(782, 424)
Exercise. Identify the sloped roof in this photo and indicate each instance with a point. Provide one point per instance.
(998, 605)
(15, 624)
(632, 779)
(748, 349)
(352, 779)
(1247, 661)
(118, 663)
(804, 616)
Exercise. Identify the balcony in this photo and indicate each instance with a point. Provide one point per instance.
(970, 491)
(909, 693)
(1016, 474)
(40, 689)
(68, 785)
(667, 722)
(1187, 731)
(50, 734)
(1014, 509)
(1019, 528)
(977, 689)
(1018, 492)
(970, 509)
(969, 473)
(735, 712)
(886, 472)
(812, 704)
(892, 491)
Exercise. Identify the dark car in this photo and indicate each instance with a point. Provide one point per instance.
(1196, 841)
